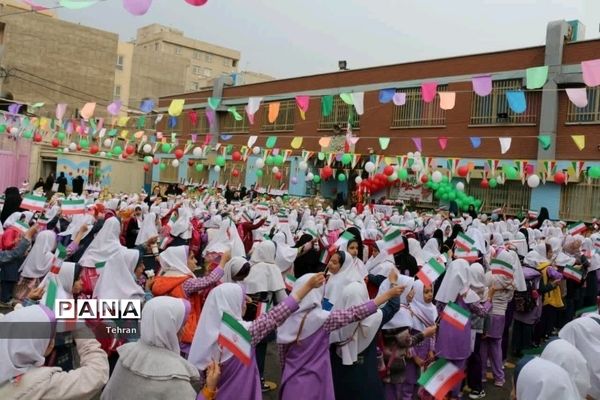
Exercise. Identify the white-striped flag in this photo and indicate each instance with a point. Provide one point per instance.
(570, 272)
(289, 282)
(440, 378)
(470, 255)
(21, 226)
(73, 207)
(532, 214)
(577, 228)
(500, 267)
(33, 203)
(235, 338)
(455, 315)
(430, 271)
(393, 242)
(464, 241)
(344, 238)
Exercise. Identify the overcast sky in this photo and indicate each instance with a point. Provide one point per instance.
(286, 38)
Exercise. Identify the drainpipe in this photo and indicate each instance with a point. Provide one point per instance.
(217, 93)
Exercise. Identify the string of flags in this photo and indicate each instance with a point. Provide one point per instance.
(134, 7)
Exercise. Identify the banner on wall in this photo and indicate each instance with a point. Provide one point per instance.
(406, 194)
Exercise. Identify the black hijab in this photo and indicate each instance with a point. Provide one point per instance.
(456, 229)
(439, 236)
(542, 216)
(12, 203)
(405, 261)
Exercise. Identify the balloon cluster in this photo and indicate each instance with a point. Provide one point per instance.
(444, 190)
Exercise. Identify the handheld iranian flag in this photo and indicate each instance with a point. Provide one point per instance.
(440, 378)
(324, 258)
(51, 290)
(393, 242)
(430, 271)
(345, 238)
(262, 207)
(577, 228)
(582, 312)
(532, 214)
(470, 255)
(570, 272)
(235, 338)
(500, 267)
(312, 232)
(289, 282)
(33, 203)
(100, 265)
(21, 226)
(464, 241)
(455, 315)
(73, 207)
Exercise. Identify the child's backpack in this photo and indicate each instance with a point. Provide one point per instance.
(527, 300)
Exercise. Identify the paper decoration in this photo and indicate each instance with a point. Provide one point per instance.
(146, 106)
(358, 101)
(176, 107)
(475, 142)
(14, 108)
(384, 142)
(252, 140)
(253, 106)
(114, 108)
(196, 3)
(399, 99)
(418, 143)
(172, 122)
(578, 96)
(61, 108)
(428, 91)
(324, 141)
(346, 98)
(591, 72)
(225, 137)
(545, 141)
(482, 85)
(88, 110)
(193, 117)
(213, 103)
(303, 102)
(516, 101)
(536, 77)
(447, 100)
(443, 142)
(579, 141)
(233, 111)
(386, 95)
(158, 119)
(326, 105)
(271, 141)
(296, 142)
(504, 144)
(77, 4)
(34, 6)
(273, 111)
(137, 7)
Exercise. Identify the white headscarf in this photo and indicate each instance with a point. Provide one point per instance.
(402, 318)
(65, 280)
(414, 249)
(565, 355)
(264, 275)
(285, 254)
(76, 223)
(337, 282)
(541, 380)
(356, 336)
(455, 282)
(309, 311)
(383, 263)
(182, 226)
(431, 249)
(147, 230)
(584, 333)
(227, 238)
(117, 279)
(536, 256)
(162, 318)
(21, 355)
(225, 298)
(173, 261)
(105, 245)
(12, 219)
(39, 260)
(425, 314)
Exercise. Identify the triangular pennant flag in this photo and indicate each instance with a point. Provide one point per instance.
(61, 108)
(303, 102)
(251, 141)
(297, 142)
(384, 142)
(428, 91)
(399, 99)
(114, 108)
(482, 85)
(193, 117)
(386, 95)
(505, 144)
(253, 105)
(210, 117)
(516, 101)
(271, 141)
(358, 101)
(146, 106)
(233, 111)
(578, 96)
(88, 110)
(324, 141)
(545, 141)
(536, 77)
(579, 141)
(326, 105)
(176, 107)
(346, 98)
(447, 100)
(591, 72)
(418, 143)
(273, 111)
(475, 142)
(213, 103)
(443, 142)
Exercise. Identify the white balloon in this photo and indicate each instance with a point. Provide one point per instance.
(259, 163)
(217, 168)
(14, 130)
(358, 180)
(369, 167)
(460, 187)
(66, 150)
(147, 148)
(175, 163)
(197, 152)
(410, 154)
(416, 167)
(275, 170)
(417, 154)
(393, 177)
(72, 146)
(255, 150)
(533, 181)
(303, 166)
(102, 154)
(107, 142)
(436, 176)
(310, 176)
(500, 180)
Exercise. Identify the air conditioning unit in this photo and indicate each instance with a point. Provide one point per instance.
(577, 31)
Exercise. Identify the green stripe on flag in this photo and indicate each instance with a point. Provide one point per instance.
(586, 310)
(233, 323)
(62, 251)
(431, 371)
(73, 202)
(100, 264)
(35, 198)
(459, 309)
(436, 266)
(500, 262)
(391, 236)
(347, 236)
(51, 294)
(466, 238)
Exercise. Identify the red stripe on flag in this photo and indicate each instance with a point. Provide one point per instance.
(453, 322)
(229, 345)
(448, 385)
(501, 272)
(395, 249)
(424, 278)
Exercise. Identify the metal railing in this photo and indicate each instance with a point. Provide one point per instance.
(579, 201)
(416, 113)
(513, 196)
(589, 114)
(285, 119)
(228, 124)
(341, 114)
(494, 109)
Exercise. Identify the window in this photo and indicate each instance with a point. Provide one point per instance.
(194, 86)
(177, 50)
(513, 195)
(117, 92)
(156, 46)
(416, 113)
(341, 115)
(228, 124)
(208, 57)
(589, 114)
(169, 174)
(207, 72)
(285, 118)
(196, 70)
(95, 166)
(226, 62)
(579, 201)
(198, 55)
(120, 61)
(198, 176)
(494, 110)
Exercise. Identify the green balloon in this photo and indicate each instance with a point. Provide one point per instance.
(403, 174)
(220, 161)
(2, 128)
(60, 136)
(341, 177)
(451, 196)
(316, 179)
(438, 194)
(493, 183)
(435, 185)
(445, 197)
(199, 167)
(594, 172)
(511, 172)
(28, 134)
(259, 172)
(464, 207)
(162, 166)
(444, 179)
(98, 173)
(346, 159)
(109, 154)
(477, 203)
(278, 160)
(148, 159)
(270, 160)
(84, 143)
(166, 147)
(117, 150)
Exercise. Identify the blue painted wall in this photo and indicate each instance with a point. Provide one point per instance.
(548, 196)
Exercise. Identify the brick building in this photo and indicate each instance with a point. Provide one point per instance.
(549, 112)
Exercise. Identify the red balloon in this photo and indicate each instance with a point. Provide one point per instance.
(424, 179)
(155, 161)
(463, 171)
(388, 170)
(326, 172)
(37, 138)
(236, 173)
(78, 148)
(129, 150)
(191, 163)
(55, 142)
(146, 167)
(559, 178)
(94, 149)
(236, 156)
(178, 153)
(484, 184)
(124, 156)
(278, 175)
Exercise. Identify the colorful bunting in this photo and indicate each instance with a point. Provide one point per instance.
(418, 143)
(384, 142)
(326, 105)
(516, 101)
(176, 107)
(347, 98)
(273, 111)
(482, 85)
(591, 72)
(578, 96)
(545, 141)
(386, 95)
(428, 91)
(536, 77)
(505, 144)
(475, 142)
(443, 142)
(358, 101)
(579, 141)
(399, 99)
(447, 100)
